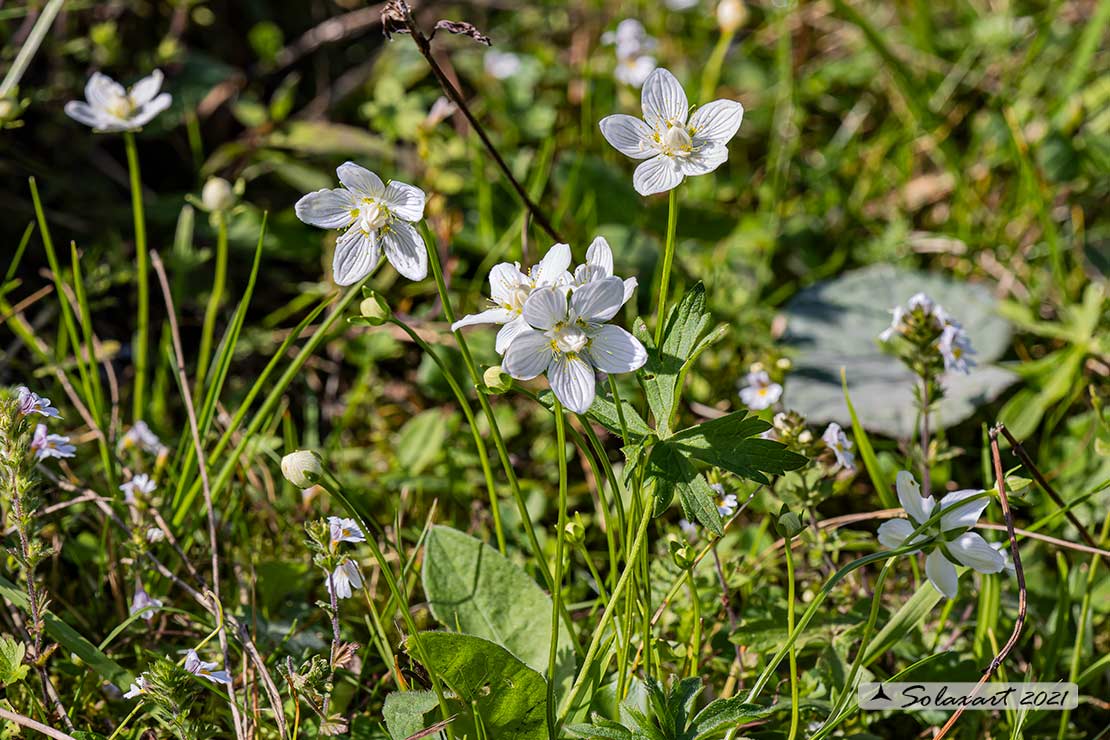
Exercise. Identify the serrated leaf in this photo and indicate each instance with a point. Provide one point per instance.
(686, 323)
(721, 715)
(12, 669)
(730, 443)
(676, 475)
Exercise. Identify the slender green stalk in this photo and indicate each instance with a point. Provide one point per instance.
(30, 46)
(139, 350)
(712, 73)
(560, 539)
(668, 259)
(695, 633)
(214, 301)
(793, 654)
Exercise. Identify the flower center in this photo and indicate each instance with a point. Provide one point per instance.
(677, 142)
(568, 338)
(120, 106)
(372, 215)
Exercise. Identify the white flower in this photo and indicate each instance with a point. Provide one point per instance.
(374, 217)
(634, 71)
(953, 540)
(501, 65)
(689, 529)
(108, 107)
(917, 302)
(301, 467)
(731, 14)
(760, 392)
(141, 483)
(142, 602)
(837, 441)
(568, 339)
(346, 578)
(142, 437)
(509, 288)
(33, 403)
(51, 445)
(599, 265)
(217, 194)
(726, 502)
(154, 534)
(681, 4)
(138, 686)
(955, 346)
(345, 530)
(202, 668)
(674, 143)
(630, 39)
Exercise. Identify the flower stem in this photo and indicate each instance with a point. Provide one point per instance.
(668, 258)
(557, 590)
(793, 655)
(695, 634)
(712, 73)
(141, 260)
(214, 301)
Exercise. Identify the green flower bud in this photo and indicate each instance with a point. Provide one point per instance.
(683, 554)
(375, 309)
(574, 531)
(788, 523)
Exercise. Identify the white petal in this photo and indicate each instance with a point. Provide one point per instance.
(630, 285)
(598, 301)
(613, 350)
(961, 517)
(509, 332)
(572, 380)
(328, 209)
(143, 91)
(657, 175)
(942, 574)
(703, 161)
(504, 278)
(361, 180)
(976, 553)
(101, 90)
(546, 307)
(356, 253)
(405, 250)
(147, 113)
(83, 113)
(663, 100)
(716, 121)
(405, 201)
(894, 533)
(600, 255)
(527, 356)
(489, 316)
(909, 495)
(629, 136)
(554, 264)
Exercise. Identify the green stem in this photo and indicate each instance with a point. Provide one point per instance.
(214, 301)
(712, 73)
(695, 635)
(793, 655)
(141, 261)
(668, 258)
(560, 536)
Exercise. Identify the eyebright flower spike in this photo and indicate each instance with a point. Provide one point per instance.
(108, 107)
(674, 143)
(204, 669)
(347, 577)
(568, 339)
(345, 530)
(51, 445)
(374, 217)
(142, 602)
(760, 392)
(955, 348)
(954, 543)
(837, 441)
(726, 502)
(138, 686)
(33, 403)
(141, 483)
(141, 436)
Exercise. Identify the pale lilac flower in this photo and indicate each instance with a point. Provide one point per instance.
(760, 392)
(955, 346)
(51, 445)
(110, 108)
(33, 403)
(204, 669)
(141, 436)
(501, 65)
(138, 686)
(373, 217)
(509, 289)
(141, 484)
(953, 540)
(689, 529)
(346, 578)
(142, 602)
(726, 502)
(345, 530)
(837, 441)
(674, 143)
(569, 339)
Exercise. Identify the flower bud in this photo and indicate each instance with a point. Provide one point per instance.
(217, 194)
(574, 531)
(497, 380)
(731, 15)
(788, 523)
(375, 309)
(302, 468)
(683, 554)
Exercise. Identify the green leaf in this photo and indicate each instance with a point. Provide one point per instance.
(723, 714)
(867, 452)
(680, 701)
(604, 412)
(686, 324)
(916, 608)
(474, 589)
(420, 441)
(510, 697)
(835, 324)
(675, 474)
(602, 728)
(730, 442)
(408, 712)
(12, 669)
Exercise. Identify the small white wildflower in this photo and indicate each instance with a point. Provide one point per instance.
(953, 540)
(629, 38)
(569, 339)
(345, 530)
(374, 217)
(675, 144)
(634, 71)
(33, 403)
(51, 445)
(297, 466)
(501, 65)
(204, 669)
(217, 194)
(955, 347)
(108, 107)
(689, 529)
(138, 686)
(726, 502)
(346, 578)
(141, 436)
(837, 441)
(142, 602)
(681, 5)
(760, 392)
(154, 534)
(141, 484)
(599, 265)
(731, 15)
